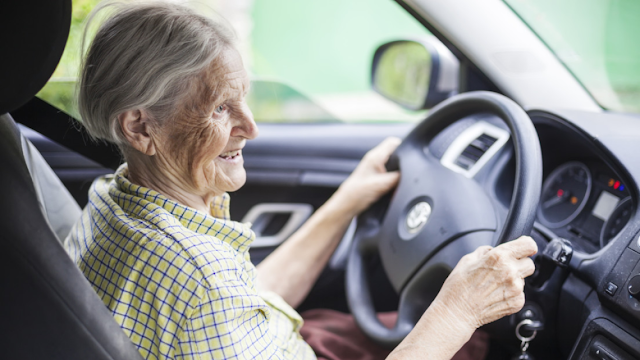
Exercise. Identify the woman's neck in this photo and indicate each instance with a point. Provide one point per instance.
(154, 174)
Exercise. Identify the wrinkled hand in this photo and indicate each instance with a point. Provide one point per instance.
(488, 284)
(370, 180)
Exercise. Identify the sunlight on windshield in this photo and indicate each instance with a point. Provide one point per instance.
(315, 56)
(597, 40)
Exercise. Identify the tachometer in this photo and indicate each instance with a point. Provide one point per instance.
(618, 219)
(564, 194)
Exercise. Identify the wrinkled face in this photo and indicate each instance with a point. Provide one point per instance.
(206, 142)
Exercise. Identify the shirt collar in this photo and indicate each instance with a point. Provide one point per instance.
(217, 223)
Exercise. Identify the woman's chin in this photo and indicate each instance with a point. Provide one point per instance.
(230, 175)
(237, 183)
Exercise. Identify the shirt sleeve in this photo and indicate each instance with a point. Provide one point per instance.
(232, 322)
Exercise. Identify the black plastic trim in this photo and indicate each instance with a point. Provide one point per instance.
(46, 119)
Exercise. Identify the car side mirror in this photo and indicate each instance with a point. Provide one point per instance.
(416, 75)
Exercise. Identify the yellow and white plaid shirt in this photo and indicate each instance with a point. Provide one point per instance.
(178, 281)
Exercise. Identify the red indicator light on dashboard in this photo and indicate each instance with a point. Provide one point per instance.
(616, 185)
(560, 192)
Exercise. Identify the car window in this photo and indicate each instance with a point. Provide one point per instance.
(596, 40)
(60, 89)
(309, 61)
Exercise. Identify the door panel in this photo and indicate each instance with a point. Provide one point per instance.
(303, 163)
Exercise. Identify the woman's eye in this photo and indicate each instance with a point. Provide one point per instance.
(220, 109)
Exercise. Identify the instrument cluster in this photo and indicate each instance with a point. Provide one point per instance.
(585, 202)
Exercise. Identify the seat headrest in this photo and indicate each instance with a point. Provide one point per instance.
(33, 34)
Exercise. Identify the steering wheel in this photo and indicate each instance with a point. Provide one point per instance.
(437, 215)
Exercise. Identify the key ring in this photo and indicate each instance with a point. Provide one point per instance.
(525, 338)
(524, 345)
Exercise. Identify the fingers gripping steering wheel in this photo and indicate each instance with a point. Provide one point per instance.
(454, 215)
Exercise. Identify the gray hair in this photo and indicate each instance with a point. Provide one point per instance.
(146, 55)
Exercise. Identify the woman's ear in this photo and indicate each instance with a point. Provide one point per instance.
(136, 127)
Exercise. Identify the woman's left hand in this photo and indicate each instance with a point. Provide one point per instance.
(302, 257)
(370, 180)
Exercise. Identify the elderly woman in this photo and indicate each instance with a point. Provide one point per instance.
(168, 87)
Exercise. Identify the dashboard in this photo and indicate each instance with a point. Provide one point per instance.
(587, 195)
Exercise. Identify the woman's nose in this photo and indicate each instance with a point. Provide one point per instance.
(245, 126)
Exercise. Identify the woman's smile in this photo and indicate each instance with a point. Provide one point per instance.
(233, 156)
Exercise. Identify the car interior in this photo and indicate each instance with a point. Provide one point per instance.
(487, 170)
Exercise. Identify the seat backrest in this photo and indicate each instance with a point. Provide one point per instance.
(48, 310)
(60, 208)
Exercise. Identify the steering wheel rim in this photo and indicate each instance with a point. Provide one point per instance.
(419, 273)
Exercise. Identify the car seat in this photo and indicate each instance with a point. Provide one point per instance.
(48, 310)
(60, 208)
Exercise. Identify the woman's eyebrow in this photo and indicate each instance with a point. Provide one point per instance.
(219, 93)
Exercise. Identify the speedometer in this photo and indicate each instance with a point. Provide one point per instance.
(564, 194)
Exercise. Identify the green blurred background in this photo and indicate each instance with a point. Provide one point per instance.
(311, 60)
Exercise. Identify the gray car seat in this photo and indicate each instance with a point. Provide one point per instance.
(56, 203)
(48, 310)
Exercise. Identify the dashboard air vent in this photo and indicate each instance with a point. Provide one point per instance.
(474, 151)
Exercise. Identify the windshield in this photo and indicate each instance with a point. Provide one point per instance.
(309, 61)
(597, 40)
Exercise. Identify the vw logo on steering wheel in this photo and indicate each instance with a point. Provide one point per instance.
(418, 216)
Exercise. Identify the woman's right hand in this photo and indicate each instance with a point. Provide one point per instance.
(488, 283)
(485, 286)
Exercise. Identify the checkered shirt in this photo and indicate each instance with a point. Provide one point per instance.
(179, 281)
